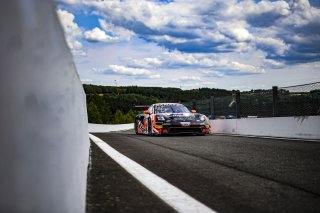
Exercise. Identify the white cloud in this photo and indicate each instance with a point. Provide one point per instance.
(72, 32)
(146, 62)
(209, 64)
(68, 1)
(78, 52)
(273, 10)
(178, 23)
(110, 33)
(168, 38)
(123, 70)
(96, 34)
(154, 76)
(86, 80)
(241, 34)
(269, 63)
(128, 70)
(147, 12)
(118, 33)
(244, 68)
(96, 70)
(272, 45)
(190, 78)
(220, 26)
(67, 20)
(100, 58)
(209, 61)
(224, 40)
(193, 82)
(179, 58)
(213, 73)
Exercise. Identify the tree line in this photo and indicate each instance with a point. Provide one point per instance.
(114, 105)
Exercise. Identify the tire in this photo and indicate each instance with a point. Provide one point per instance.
(149, 127)
(136, 127)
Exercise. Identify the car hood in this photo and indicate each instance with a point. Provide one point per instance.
(181, 116)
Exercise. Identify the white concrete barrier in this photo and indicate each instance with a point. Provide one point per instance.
(304, 127)
(44, 145)
(109, 127)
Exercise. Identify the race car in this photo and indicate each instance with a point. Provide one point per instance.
(171, 118)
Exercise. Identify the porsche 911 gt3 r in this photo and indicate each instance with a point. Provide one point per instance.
(171, 118)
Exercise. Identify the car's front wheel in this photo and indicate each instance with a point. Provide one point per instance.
(149, 126)
(136, 127)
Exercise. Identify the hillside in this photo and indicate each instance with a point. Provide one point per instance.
(109, 104)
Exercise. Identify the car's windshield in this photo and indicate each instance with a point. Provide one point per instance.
(178, 108)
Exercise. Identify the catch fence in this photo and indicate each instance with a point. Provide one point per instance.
(298, 100)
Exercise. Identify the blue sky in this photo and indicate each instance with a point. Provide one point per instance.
(191, 44)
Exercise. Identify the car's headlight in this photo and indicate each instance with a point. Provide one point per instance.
(202, 118)
(160, 118)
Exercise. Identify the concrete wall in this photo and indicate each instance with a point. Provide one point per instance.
(307, 127)
(43, 127)
(109, 128)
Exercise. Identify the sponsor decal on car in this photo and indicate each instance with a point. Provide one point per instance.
(185, 123)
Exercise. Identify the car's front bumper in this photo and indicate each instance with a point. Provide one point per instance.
(181, 129)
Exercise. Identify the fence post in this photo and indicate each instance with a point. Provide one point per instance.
(211, 104)
(275, 101)
(238, 104)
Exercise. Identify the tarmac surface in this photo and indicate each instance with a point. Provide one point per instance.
(226, 173)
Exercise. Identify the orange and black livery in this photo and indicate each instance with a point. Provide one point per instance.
(170, 118)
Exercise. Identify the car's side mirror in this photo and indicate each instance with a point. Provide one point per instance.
(146, 112)
(193, 111)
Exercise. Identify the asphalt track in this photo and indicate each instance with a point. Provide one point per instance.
(228, 174)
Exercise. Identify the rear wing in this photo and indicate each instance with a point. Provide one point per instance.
(141, 107)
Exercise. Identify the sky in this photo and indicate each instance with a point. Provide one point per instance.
(191, 44)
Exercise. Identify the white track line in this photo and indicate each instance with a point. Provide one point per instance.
(170, 194)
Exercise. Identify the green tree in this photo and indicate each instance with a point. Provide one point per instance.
(94, 115)
(129, 117)
(119, 117)
(104, 109)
